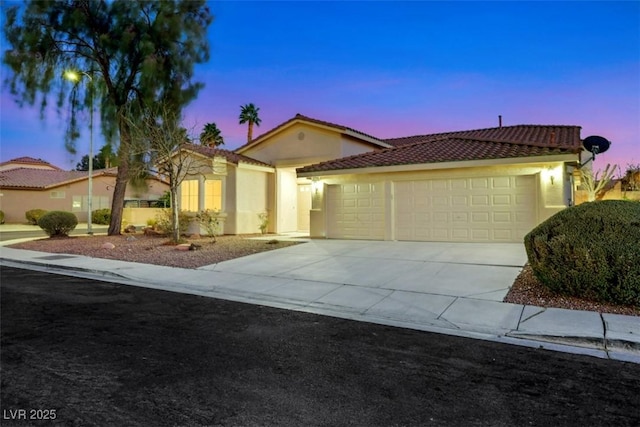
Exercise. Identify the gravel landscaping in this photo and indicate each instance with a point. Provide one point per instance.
(157, 250)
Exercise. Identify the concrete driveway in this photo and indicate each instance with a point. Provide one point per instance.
(471, 270)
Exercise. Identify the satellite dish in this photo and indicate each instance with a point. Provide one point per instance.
(596, 144)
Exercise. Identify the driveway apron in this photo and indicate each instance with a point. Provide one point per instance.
(377, 276)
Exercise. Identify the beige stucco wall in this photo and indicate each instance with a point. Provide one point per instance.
(139, 216)
(246, 191)
(14, 203)
(252, 192)
(303, 144)
(552, 197)
(615, 193)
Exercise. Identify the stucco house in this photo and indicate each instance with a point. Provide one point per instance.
(332, 181)
(27, 183)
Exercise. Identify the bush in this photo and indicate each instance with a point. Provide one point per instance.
(1, 217)
(58, 223)
(34, 215)
(101, 216)
(590, 251)
(209, 220)
(164, 222)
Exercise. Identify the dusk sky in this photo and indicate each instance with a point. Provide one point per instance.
(393, 69)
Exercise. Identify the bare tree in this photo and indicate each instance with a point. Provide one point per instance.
(595, 184)
(165, 147)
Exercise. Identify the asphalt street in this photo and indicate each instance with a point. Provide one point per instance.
(88, 352)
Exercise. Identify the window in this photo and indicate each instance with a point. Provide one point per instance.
(57, 195)
(213, 194)
(76, 204)
(189, 195)
(81, 203)
(100, 202)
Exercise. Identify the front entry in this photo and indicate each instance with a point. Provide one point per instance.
(304, 206)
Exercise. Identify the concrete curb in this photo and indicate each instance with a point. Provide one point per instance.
(617, 348)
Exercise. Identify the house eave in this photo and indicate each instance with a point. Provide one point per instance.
(444, 165)
(250, 166)
(366, 138)
(339, 130)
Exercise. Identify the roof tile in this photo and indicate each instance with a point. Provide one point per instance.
(543, 135)
(29, 161)
(231, 156)
(436, 150)
(29, 178)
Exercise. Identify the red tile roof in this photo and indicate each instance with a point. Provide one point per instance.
(543, 135)
(339, 128)
(40, 179)
(231, 156)
(436, 150)
(29, 161)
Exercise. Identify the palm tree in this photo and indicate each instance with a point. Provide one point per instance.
(211, 136)
(249, 114)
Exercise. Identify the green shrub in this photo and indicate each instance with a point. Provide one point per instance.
(34, 215)
(163, 201)
(1, 217)
(591, 251)
(58, 223)
(209, 220)
(164, 221)
(101, 216)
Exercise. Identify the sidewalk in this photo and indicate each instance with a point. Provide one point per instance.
(283, 281)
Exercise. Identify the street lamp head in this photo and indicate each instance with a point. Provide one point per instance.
(71, 75)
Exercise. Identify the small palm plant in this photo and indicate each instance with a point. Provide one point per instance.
(249, 114)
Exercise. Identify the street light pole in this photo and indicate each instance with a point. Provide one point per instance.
(75, 77)
(90, 197)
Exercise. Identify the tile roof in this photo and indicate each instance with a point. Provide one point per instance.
(544, 135)
(232, 157)
(29, 161)
(436, 150)
(299, 116)
(40, 179)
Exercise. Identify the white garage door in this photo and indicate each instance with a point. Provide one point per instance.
(355, 211)
(489, 209)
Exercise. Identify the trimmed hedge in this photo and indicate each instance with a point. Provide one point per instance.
(58, 223)
(33, 215)
(101, 216)
(590, 251)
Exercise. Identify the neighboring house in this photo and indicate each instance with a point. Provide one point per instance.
(27, 183)
(28, 163)
(486, 185)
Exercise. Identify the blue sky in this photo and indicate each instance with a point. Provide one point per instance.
(394, 69)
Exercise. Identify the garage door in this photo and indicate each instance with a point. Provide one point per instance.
(355, 211)
(489, 209)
